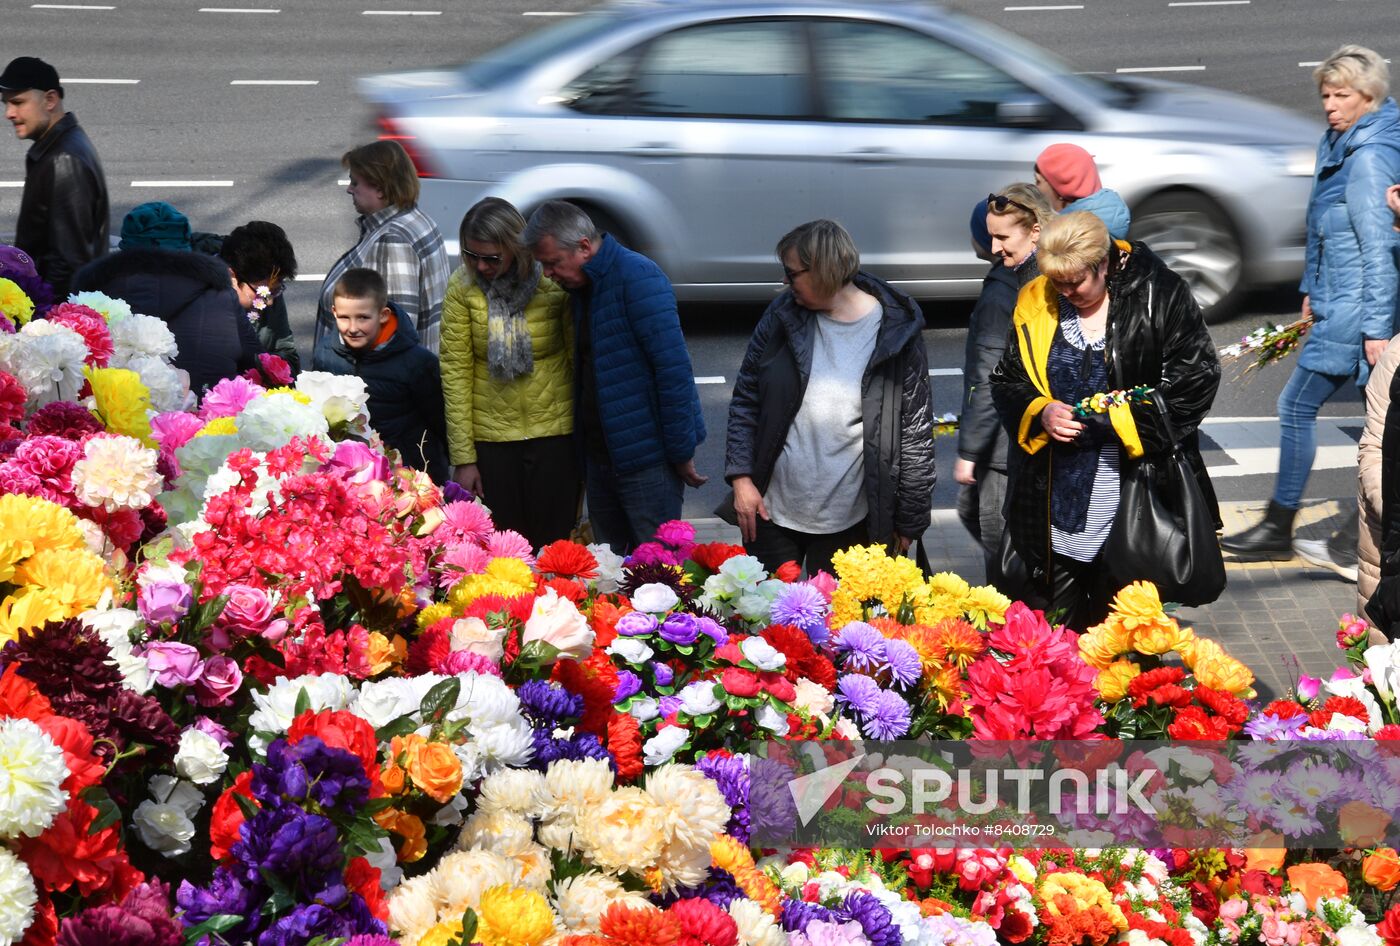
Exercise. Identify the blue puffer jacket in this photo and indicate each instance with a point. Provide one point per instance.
(1350, 273)
(647, 400)
(1108, 207)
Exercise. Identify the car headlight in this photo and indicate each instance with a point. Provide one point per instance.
(1296, 162)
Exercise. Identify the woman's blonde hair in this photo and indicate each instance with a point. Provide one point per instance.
(1073, 244)
(1027, 205)
(1356, 67)
(385, 166)
(493, 220)
(826, 251)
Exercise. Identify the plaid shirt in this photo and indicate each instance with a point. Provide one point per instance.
(405, 247)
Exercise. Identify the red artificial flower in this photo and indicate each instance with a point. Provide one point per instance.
(639, 926)
(43, 931)
(1204, 903)
(707, 923)
(1167, 695)
(777, 685)
(69, 855)
(1338, 706)
(430, 649)
(226, 817)
(730, 652)
(625, 746)
(341, 729)
(1284, 709)
(1194, 723)
(85, 769)
(594, 679)
(1388, 731)
(363, 878)
(604, 620)
(1388, 928)
(1225, 705)
(803, 660)
(789, 572)
(1145, 683)
(90, 326)
(711, 555)
(1261, 883)
(566, 559)
(12, 398)
(316, 652)
(569, 588)
(21, 699)
(740, 682)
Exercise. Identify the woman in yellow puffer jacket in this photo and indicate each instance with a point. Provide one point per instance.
(508, 379)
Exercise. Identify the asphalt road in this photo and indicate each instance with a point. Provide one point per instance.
(176, 96)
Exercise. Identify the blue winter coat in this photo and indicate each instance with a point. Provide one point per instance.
(1350, 274)
(648, 405)
(1108, 207)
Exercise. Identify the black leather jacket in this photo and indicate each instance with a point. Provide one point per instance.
(63, 214)
(981, 437)
(896, 404)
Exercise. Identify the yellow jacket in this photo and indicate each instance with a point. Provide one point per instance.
(540, 404)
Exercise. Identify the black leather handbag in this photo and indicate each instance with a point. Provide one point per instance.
(1164, 531)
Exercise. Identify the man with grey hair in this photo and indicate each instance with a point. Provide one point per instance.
(636, 407)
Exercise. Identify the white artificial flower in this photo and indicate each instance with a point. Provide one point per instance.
(813, 698)
(386, 859)
(276, 707)
(699, 698)
(113, 310)
(654, 598)
(269, 422)
(771, 720)
(341, 398)
(1383, 660)
(644, 709)
(380, 702)
(522, 791)
(47, 360)
(631, 649)
(743, 571)
(17, 897)
(762, 654)
(485, 699)
(609, 568)
(1358, 934)
(756, 925)
(502, 744)
(166, 383)
(114, 626)
(143, 335)
(659, 748)
(115, 473)
(1356, 688)
(32, 772)
(164, 821)
(200, 758)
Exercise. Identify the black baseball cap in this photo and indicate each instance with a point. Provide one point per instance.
(28, 72)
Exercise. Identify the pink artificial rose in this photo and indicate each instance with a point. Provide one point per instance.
(1308, 687)
(1233, 909)
(248, 609)
(361, 462)
(558, 623)
(275, 368)
(824, 582)
(473, 635)
(220, 681)
(173, 663)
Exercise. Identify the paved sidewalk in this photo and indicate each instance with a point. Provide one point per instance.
(1277, 617)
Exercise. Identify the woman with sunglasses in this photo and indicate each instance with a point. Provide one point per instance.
(830, 439)
(1103, 317)
(508, 379)
(1011, 221)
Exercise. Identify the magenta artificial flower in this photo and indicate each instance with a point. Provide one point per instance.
(173, 663)
(227, 398)
(360, 462)
(219, 681)
(173, 429)
(510, 544)
(164, 602)
(470, 520)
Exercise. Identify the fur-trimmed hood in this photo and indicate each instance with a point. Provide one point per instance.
(155, 281)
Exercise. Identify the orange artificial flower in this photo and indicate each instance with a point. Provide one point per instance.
(1362, 825)
(432, 766)
(1267, 854)
(410, 828)
(1315, 881)
(639, 926)
(1381, 869)
(385, 653)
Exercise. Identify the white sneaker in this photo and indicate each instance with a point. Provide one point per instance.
(1316, 552)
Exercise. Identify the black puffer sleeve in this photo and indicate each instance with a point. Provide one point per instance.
(917, 473)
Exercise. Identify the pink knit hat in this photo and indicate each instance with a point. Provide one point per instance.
(1070, 170)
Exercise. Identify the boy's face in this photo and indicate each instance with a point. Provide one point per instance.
(358, 320)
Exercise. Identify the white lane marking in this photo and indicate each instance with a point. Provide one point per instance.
(1161, 69)
(311, 277)
(182, 183)
(1314, 62)
(944, 372)
(69, 6)
(101, 81)
(11, 183)
(550, 13)
(1251, 443)
(1253, 461)
(275, 82)
(343, 182)
(1055, 6)
(1208, 3)
(239, 10)
(402, 13)
(710, 379)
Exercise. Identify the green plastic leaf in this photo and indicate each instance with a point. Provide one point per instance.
(396, 727)
(220, 923)
(440, 700)
(246, 805)
(303, 702)
(108, 812)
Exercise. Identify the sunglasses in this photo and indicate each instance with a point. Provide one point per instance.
(998, 203)
(482, 257)
(790, 274)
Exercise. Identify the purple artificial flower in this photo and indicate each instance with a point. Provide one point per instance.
(827, 933)
(378, 939)
(669, 706)
(142, 919)
(719, 888)
(859, 692)
(311, 771)
(549, 705)
(454, 492)
(681, 629)
(731, 776)
(226, 894)
(662, 674)
(628, 685)
(862, 645)
(713, 630)
(219, 682)
(210, 728)
(804, 607)
(1267, 727)
(889, 718)
(635, 624)
(164, 602)
(676, 533)
(874, 918)
(654, 553)
(799, 914)
(173, 663)
(903, 662)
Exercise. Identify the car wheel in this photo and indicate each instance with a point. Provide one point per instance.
(607, 223)
(1197, 241)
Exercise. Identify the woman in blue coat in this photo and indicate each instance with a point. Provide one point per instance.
(1349, 282)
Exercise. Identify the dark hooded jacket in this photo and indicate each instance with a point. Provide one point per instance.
(192, 294)
(63, 214)
(405, 395)
(895, 402)
(981, 437)
(1156, 336)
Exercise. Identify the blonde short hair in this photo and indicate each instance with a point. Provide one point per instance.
(1073, 244)
(493, 220)
(1356, 67)
(826, 251)
(385, 166)
(1028, 207)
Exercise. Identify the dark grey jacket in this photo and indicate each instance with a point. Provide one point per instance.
(63, 215)
(981, 437)
(896, 403)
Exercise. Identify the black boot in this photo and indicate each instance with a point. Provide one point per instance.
(1269, 541)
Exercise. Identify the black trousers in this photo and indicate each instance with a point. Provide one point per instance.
(774, 544)
(1079, 591)
(531, 486)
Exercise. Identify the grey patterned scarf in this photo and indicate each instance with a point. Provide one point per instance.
(509, 349)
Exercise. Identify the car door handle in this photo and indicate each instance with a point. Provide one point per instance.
(872, 155)
(654, 149)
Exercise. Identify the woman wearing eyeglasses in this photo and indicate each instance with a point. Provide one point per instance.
(507, 378)
(1104, 316)
(830, 439)
(261, 263)
(1010, 223)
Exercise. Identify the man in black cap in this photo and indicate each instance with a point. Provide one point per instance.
(63, 214)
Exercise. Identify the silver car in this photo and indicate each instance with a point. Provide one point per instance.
(699, 131)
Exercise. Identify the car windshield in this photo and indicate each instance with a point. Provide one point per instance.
(1107, 91)
(504, 63)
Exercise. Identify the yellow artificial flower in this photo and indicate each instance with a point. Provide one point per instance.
(14, 304)
(1085, 891)
(1219, 671)
(301, 397)
(434, 613)
(443, 933)
(985, 605)
(123, 402)
(1112, 682)
(512, 916)
(504, 576)
(73, 576)
(219, 426)
(1159, 637)
(28, 609)
(1101, 644)
(1138, 603)
(29, 525)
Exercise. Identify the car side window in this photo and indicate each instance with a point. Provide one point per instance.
(879, 72)
(604, 89)
(745, 69)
